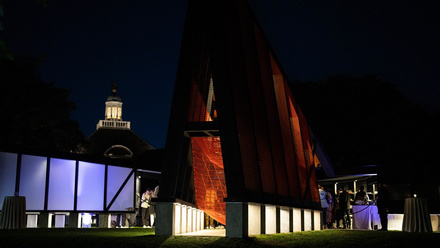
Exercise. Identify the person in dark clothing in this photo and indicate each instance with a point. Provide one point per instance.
(361, 197)
(344, 205)
(383, 204)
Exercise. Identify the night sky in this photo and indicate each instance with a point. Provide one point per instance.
(136, 43)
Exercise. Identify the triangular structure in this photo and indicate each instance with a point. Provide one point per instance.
(236, 133)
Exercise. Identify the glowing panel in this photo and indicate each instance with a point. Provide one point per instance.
(90, 186)
(316, 220)
(254, 219)
(114, 111)
(119, 113)
(115, 179)
(177, 218)
(271, 219)
(307, 220)
(184, 218)
(8, 170)
(189, 219)
(297, 220)
(108, 113)
(209, 177)
(62, 184)
(33, 181)
(86, 220)
(284, 220)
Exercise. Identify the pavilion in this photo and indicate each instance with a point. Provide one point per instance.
(238, 146)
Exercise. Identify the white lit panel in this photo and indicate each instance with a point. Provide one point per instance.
(284, 220)
(254, 219)
(177, 218)
(307, 219)
(116, 177)
(297, 220)
(316, 220)
(271, 219)
(61, 184)
(33, 181)
(90, 186)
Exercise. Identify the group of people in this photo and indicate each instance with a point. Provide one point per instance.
(336, 207)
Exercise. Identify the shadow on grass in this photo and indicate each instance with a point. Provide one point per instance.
(139, 237)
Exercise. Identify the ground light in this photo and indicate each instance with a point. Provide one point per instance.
(86, 220)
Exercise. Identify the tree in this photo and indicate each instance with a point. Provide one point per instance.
(35, 114)
(366, 120)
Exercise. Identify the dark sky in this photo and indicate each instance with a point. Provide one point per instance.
(89, 44)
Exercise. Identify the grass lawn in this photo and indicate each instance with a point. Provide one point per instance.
(139, 237)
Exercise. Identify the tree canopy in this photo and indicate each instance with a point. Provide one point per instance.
(366, 120)
(35, 114)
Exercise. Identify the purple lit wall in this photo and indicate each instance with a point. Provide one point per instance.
(90, 186)
(116, 177)
(56, 184)
(8, 169)
(33, 181)
(61, 193)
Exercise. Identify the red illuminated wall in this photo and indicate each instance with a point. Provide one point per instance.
(209, 177)
(235, 111)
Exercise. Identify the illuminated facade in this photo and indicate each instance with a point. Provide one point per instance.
(105, 179)
(113, 112)
(237, 138)
(113, 137)
(56, 187)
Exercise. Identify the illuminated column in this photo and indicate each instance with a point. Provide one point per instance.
(254, 217)
(189, 219)
(307, 219)
(297, 220)
(177, 218)
(200, 220)
(183, 224)
(197, 220)
(32, 220)
(60, 220)
(194, 220)
(271, 219)
(316, 220)
(284, 219)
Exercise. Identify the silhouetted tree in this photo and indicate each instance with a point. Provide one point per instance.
(35, 115)
(367, 120)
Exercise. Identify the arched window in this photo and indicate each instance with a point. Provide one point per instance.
(118, 151)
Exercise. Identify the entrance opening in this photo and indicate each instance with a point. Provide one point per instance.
(209, 177)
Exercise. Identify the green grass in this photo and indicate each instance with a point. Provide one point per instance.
(139, 237)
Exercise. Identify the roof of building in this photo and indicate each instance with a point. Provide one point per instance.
(104, 139)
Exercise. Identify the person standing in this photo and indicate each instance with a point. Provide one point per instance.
(145, 205)
(329, 216)
(344, 206)
(324, 204)
(154, 194)
(383, 204)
